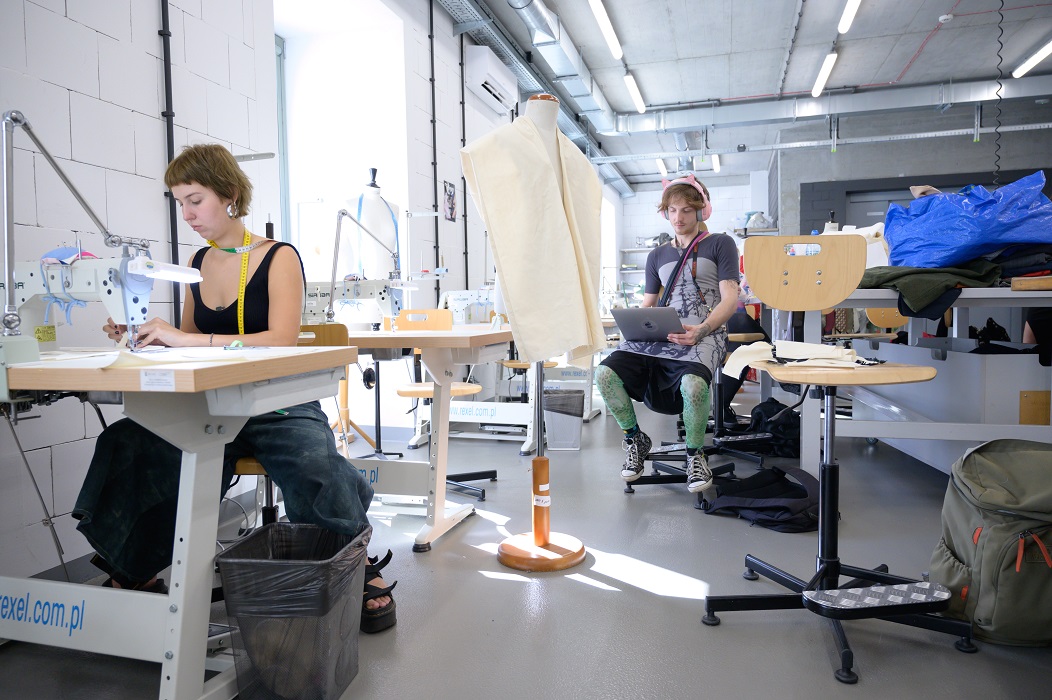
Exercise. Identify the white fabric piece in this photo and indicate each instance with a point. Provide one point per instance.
(745, 356)
(809, 354)
(545, 246)
(876, 244)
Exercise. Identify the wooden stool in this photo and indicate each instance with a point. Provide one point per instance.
(426, 390)
(335, 334)
(519, 368)
(886, 318)
(250, 466)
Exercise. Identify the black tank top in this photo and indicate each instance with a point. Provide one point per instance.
(257, 300)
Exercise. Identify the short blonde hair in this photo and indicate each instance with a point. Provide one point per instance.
(212, 166)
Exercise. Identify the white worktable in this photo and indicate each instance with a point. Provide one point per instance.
(907, 428)
(440, 352)
(199, 402)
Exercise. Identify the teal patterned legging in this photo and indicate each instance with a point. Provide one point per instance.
(694, 389)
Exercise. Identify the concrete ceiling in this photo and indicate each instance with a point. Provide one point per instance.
(763, 53)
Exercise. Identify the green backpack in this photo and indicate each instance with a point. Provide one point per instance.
(994, 554)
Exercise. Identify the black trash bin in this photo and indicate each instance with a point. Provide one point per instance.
(294, 594)
(563, 414)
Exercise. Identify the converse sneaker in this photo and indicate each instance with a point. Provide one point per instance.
(636, 450)
(699, 476)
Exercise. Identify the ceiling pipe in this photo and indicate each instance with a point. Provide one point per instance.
(681, 145)
(543, 25)
(552, 42)
(474, 19)
(843, 104)
(820, 143)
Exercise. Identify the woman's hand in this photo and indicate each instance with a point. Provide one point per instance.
(113, 330)
(691, 335)
(158, 332)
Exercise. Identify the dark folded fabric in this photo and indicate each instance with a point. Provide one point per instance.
(922, 286)
(933, 311)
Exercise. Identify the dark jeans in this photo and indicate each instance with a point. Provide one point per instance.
(127, 504)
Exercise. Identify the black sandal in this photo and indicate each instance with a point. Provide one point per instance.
(381, 618)
(156, 586)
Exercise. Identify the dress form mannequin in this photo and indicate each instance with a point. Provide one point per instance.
(541, 549)
(543, 111)
(360, 254)
(540, 202)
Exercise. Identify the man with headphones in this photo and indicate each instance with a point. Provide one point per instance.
(699, 274)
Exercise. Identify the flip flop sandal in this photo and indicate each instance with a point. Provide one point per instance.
(378, 619)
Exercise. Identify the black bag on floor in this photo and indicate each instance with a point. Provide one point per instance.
(770, 499)
(774, 417)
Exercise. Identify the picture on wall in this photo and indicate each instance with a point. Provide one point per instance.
(450, 206)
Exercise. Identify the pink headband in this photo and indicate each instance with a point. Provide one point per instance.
(688, 180)
(706, 209)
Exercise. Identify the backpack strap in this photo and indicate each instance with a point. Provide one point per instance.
(692, 246)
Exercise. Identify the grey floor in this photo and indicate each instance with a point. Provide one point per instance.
(626, 622)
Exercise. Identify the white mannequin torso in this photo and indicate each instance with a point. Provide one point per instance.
(544, 113)
(375, 262)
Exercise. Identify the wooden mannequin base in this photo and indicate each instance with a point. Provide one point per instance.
(561, 552)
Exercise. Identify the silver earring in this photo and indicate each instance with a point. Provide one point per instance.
(230, 211)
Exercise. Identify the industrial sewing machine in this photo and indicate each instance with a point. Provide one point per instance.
(33, 291)
(321, 298)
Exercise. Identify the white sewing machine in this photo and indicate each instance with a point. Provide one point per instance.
(321, 297)
(45, 296)
(32, 291)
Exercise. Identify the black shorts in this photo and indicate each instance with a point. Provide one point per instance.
(654, 380)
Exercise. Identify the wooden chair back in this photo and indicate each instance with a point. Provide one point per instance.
(424, 320)
(325, 334)
(886, 318)
(784, 277)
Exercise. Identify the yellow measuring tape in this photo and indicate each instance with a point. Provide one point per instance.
(244, 249)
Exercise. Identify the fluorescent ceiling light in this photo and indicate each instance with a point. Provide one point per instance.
(1029, 63)
(633, 90)
(661, 166)
(715, 162)
(142, 265)
(823, 75)
(849, 15)
(606, 28)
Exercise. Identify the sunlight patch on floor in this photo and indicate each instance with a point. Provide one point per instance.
(648, 577)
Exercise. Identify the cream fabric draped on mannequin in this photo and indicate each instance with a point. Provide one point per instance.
(545, 245)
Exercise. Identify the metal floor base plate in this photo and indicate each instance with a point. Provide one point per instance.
(901, 598)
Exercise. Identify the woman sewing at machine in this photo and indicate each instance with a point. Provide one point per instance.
(251, 293)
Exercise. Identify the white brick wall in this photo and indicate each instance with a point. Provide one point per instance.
(61, 50)
(13, 38)
(88, 77)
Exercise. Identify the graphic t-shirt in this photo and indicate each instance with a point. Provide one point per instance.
(695, 295)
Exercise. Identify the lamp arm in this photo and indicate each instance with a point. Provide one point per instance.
(329, 313)
(11, 119)
(111, 240)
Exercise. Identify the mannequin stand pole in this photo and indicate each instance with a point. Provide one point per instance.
(540, 550)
